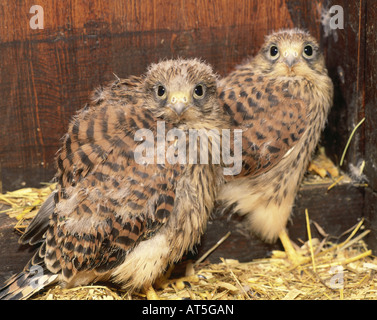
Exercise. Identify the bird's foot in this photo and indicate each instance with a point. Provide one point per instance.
(323, 166)
(179, 283)
(150, 293)
(295, 258)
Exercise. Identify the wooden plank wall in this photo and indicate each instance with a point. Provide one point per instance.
(346, 64)
(371, 120)
(47, 74)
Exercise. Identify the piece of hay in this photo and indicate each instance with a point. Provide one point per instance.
(349, 141)
(310, 238)
(342, 271)
(270, 279)
(25, 203)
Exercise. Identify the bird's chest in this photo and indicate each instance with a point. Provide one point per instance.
(195, 197)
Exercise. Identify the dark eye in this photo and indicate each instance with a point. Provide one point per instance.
(308, 51)
(274, 51)
(161, 91)
(199, 91)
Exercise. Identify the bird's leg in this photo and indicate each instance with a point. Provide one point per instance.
(179, 283)
(293, 256)
(150, 293)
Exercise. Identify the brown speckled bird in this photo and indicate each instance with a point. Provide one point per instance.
(280, 98)
(111, 217)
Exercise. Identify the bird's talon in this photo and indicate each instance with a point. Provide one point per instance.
(150, 293)
(277, 254)
(290, 252)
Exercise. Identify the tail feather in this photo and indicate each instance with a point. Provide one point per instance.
(23, 285)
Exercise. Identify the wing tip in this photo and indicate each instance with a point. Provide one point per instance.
(23, 285)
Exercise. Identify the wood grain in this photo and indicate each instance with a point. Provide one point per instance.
(371, 120)
(345, 59)
(335, 211)
(47, 74)
(371, 95)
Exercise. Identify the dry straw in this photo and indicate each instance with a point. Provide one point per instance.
(333, 271)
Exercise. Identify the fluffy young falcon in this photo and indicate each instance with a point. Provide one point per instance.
(280, 98)
(111, 217)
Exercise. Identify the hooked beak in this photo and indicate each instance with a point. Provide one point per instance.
(290, 58)
(179, 108)
(179, 102)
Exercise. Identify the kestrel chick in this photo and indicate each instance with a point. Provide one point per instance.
(280, 98)
(113, 217)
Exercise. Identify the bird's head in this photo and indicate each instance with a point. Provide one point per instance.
(181, 91)
(291, 53)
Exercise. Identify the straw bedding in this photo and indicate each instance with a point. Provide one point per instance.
(333, 271)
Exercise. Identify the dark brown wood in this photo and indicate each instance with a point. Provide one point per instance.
(13, 257)
(371, 94)
(371, 217)
(47, 74)
(345, 59)
(371, 120)
(335, 211)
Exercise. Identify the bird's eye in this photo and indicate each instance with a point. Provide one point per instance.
(274, 52)
(308, 51)
(161, 91)
(198, 91)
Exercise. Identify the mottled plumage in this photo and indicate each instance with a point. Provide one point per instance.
(280, 98)
(112, 218)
